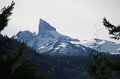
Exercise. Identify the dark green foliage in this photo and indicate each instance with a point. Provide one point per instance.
(5, 42)
(100, 69)
(113, 30)
(4, 16)
(65, 67)
(24, 69)
(103, 67)
(72, 67)
(7, 63)
(17, 65)
(5, 13)
(15, 62)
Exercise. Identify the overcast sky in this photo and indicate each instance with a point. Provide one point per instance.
(74, 18)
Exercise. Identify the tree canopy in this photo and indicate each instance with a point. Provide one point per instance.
(113, 30)
(5, 13)
(103, 67)
(14, 64)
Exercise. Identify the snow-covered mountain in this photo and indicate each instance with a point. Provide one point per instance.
(46, 34)
(64, 48)
(103, 45)
(49, 41)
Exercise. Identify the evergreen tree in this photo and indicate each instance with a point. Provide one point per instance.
(4, 16)
(5, 45)
(8, 61)
(5, 13)
(23, 68)
(103, 67)
(113, 30)
(16, 64)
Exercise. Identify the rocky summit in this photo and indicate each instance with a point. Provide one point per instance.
(49, 41)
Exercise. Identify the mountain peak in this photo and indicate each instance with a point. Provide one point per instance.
(43, 25)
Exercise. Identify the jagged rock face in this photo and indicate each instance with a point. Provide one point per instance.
(44, 29)
(48, 31)
(46, 34)
(43, 25)
(25, 36)
(49, 41)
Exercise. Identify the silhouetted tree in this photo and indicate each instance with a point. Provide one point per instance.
(4, 16)
(103, 67)
(113, 30)
(16, 64)
(5, 13)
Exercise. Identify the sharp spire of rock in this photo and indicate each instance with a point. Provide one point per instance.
(43, 25)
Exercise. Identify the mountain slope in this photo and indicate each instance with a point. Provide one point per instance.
(105, 46)
(64, 48)
(49, 41)
(46, 33)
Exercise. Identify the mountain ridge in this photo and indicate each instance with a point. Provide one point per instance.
(49, 41)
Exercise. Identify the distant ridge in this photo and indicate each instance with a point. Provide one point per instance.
(49, 41)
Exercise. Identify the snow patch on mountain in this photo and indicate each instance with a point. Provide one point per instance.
(46, 34)
(64, 48)
(104, 45)
(49, 41)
